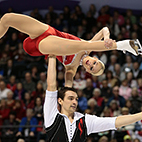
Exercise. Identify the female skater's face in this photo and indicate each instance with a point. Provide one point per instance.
(92, 64)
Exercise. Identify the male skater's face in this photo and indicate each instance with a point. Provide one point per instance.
(70, 102)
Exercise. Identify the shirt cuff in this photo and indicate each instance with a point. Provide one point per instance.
(52, 94)
(113, 123)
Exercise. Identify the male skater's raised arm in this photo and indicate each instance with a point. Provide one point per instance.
(50, 104)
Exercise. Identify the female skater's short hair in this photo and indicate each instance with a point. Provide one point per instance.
(100, 72)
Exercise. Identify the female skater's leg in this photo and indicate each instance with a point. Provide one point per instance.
(61, 46)
(23, 23)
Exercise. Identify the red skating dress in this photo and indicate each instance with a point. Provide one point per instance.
(31, 45)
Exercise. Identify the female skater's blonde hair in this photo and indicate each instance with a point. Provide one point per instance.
(100, 72)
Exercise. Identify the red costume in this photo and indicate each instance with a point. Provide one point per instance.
(31, 45)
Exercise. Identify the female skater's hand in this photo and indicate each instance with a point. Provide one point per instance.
(108, 43)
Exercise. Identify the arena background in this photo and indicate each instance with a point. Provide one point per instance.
(28, 5)
(129, 80)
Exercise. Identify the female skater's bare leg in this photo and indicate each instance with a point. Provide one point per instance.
(61, 46)
(23, 23)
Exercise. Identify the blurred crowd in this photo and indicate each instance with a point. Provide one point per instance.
(117, 92)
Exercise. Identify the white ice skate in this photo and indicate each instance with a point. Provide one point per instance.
(134, 48)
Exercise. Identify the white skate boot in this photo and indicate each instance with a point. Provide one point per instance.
(132, 46)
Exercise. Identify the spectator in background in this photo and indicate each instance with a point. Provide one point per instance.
(137, 73)
(129, 106)
(58, 24)
(131, 81)
(79, 13)
(43, 80)
(19, 92)
(93, 10)
(129, 14)
(95, 81)
(86, 34)
(114, 109)
(28, 84)
(79, 83)
(89, 89)
(20, 140)
(118, 18)
(80, 31)
(97, 96)
(60, 79)
(13, 42)
(106, 113)
(52, 13)
(4, 111)
(83, 73)
(10, 100)
(128, 64)
(94, 109)
(8, 134)
(19, 109)
(3, 90)
(134, 36)
(140, 86)
(12, 83)
(91, 21)
(35, 13)
(28, 132)
(125, 90)
(4, 59)
(128, 128)
(66, 13)
(28, 102)
(118, 73)
(113, 61)
(118, 54)
(9, 69)
(34, 74)
(38, 92)
(125, 33)
(128, 25)
(82, 101)
(48, 19)
(19, 54)
(113, 27)
(127, 138)
(102, 56)
(105, 89)
(119, 99)
(110, 79)
(136, 140)
(103, 139)
(140, 22)
(136, 29)
(38, 109)
(103, 16)
(136, 100)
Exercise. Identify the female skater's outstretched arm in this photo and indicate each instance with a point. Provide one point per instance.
(70, 72)
(103, 33)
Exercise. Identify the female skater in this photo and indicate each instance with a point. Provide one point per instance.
(70, 50)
